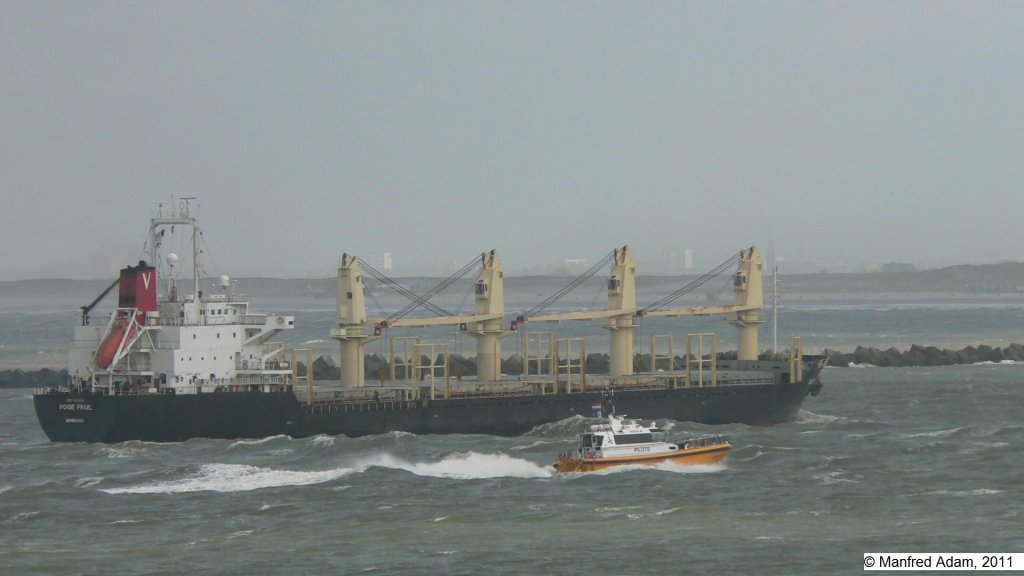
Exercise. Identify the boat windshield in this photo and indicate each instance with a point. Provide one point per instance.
(633, 438)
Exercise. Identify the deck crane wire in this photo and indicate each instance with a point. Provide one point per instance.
(691, 286)
(424, 300)
(400, 289)
(569, 287)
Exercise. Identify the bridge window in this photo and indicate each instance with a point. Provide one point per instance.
(633, 438)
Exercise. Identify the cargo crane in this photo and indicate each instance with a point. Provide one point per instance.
(618, 315)
(621, 313)
(747, 304)
(484, 324)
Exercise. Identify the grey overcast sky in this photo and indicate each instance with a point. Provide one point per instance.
(848, 132)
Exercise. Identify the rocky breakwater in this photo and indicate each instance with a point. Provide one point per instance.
(924, 356)
(44, 378)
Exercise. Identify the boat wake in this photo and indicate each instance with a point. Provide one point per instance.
(234, 478)
(808, 417)
(467, 466)
(242, 478)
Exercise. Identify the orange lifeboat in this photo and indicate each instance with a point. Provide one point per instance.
(123, 329)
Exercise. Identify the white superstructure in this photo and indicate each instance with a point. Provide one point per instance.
(166, 343)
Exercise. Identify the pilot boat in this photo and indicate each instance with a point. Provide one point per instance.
(620, 442)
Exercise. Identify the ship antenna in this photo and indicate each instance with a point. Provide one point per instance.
(186, 213)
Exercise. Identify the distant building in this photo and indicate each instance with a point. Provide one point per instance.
(379, 261)
(678, 260)
(574, 266)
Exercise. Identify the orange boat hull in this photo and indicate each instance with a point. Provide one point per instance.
(702, 455)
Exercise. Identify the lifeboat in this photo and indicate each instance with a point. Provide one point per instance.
(122, 329)
(621, 442)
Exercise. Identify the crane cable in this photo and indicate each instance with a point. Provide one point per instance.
(568, 287)
(693, 285)
(399, 288)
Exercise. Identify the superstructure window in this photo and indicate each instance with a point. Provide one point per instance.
(633, 438)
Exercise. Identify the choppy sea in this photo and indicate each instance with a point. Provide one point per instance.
(885, 459)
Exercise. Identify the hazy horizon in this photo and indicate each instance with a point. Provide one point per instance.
(836, 136)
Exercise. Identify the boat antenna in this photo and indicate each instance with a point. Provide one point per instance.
(775, 291)
(775, 308)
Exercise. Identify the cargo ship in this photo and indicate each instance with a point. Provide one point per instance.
(167, 366)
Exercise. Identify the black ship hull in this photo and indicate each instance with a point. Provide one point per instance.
(78, 417)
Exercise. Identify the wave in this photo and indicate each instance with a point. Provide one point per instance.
(1001, 362)
(532, 445)
(568, 426)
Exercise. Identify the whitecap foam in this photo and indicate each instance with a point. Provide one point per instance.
(978, 492)
(22, 516)
(234, 478)
(122, 451)
(322, 440)
(836, 477)
(88, 481)
(658, 513)
(808, 417)
(934, 434)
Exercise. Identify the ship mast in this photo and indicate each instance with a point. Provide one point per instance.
(179, 215)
